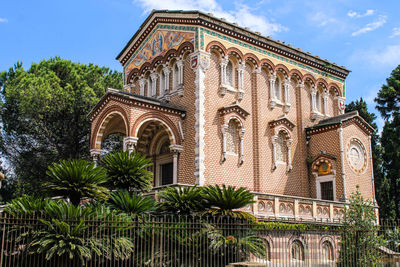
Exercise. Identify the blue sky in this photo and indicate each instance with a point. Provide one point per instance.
(362, 35)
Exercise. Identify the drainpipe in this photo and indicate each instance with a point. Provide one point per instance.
(372, 170)
(342, 162)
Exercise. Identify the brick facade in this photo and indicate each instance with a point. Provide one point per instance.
(194, 121)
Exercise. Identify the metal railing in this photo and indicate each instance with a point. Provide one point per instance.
(191, 241)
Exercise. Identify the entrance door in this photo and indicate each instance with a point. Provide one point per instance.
(167, 173)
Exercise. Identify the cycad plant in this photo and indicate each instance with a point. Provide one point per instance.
(76, 179)
(128, 171)
(131, 203)
(181, 200)
(227, 200)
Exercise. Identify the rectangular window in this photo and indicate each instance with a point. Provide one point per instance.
(167, 173)
(327, 190)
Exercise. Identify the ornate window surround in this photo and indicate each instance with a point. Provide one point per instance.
(279, 100)
(231, 87)
(282, 124)
(237, 113)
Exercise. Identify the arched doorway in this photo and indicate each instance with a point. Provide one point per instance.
(156, 141)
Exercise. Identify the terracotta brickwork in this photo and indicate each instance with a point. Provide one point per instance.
(289, 122)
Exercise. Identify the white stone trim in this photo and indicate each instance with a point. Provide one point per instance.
(322, 179)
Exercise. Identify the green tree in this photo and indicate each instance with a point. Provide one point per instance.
(181, 200)
(360, 242)
(227, 200)
(76, 179)
(381, 183)
(128, 171)
(43, 113)
(388, 104)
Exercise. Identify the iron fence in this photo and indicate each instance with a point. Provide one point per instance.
(191, 241)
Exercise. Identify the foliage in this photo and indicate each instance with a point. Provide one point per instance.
(298, 227)
(388, 104)
(66, 232)
(181, 200)
(44, 114)
(128, 171)
(131, 203)
(76, 179)
(392, 237)
(226, 201)
(360, 241)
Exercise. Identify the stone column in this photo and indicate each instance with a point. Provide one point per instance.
(241, 68)
(166, 71)
(272, 78)
(154, 77)
(200, 62)
(175, 150)
(179, 64)
(287, 94)
(241, 155)
(130, 144)
(95, 155)
(223, 130)
(326, 106)
(314, 98)
(289, 155)
(274, 139)
(142, 83)
(223, 86)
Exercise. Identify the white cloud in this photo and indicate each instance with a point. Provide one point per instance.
(3, 20)
(371, 26)
(396, 32)
(321, 19)
(240, 13)
(354, 14)
(380, 58)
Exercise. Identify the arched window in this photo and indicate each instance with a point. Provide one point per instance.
(297, 252)
(318, 101)
(229, 73)
(176, 76)
(278, 88)
(232, 138)
(327, 251)
(281, 148)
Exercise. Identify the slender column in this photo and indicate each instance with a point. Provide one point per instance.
(175, 150)
(287, 86)
(130, 143)
(95, 155)
(142, 83)
(314, 98)
(154, 77)
(166, 71)
(224, 129)
(326, 106)
(372, 169)
(289, 159)
(274, 139)
(272, 79)
(200, 62)
(241, 68)
(179, 63)
(241, 155)
(223, 86)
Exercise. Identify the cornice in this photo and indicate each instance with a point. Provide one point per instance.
(223, 27)
(136, 101)
(234, 109)
(282, 120)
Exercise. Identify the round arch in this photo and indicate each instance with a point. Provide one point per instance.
(109, 123)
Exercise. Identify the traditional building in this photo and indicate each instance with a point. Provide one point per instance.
(214, 103)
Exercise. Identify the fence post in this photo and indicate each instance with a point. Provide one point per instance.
(3, 237)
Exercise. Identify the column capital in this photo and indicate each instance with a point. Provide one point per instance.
(95, 153)
(242, 66)
(154, 76)
(313, 90)
(300, 85)
(179, 63)
(257, 70)
(166, 69)
(224, 61)
(142, 81)
(176, 149)
(130, 143)
(272, 76)
(200, 60)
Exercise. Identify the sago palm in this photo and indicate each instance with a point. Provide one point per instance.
(131, 203)
(181, 200)
(76, 179)
(226, 201)
(128, 171)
